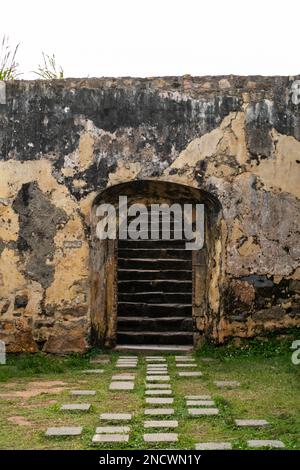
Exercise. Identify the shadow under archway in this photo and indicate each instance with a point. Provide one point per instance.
(206, 263)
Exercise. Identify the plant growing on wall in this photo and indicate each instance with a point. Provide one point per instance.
(8, 65)
(49, 70)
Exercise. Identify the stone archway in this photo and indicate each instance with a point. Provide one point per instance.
(207, 265)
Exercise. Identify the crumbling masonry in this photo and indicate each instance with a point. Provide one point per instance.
(231, 142)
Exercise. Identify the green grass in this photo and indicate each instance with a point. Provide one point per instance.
(269, 390)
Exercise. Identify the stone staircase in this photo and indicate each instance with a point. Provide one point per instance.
(154, 294)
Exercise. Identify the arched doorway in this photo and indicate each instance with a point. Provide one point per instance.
(153, 292)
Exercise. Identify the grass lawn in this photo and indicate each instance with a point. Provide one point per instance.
(32, 388)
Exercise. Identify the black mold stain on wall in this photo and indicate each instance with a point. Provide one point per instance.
(39, 221)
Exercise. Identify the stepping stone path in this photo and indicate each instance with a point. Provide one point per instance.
(167, 423)
(265, 443)
(116, 416)
(159, 401)
(112, 429)
(104, 438)
(227, 383)
(64, 431)
(158, 378)
(159, 411)
(251, 422)
(156, 386)
(161, 437)
(213, 446)
(203, 411)
(76, 407)
(113, 433)
(158, 392)
(124, 381)
(123, 377)
(197, 397)
(157, 371)
(118, 385)
(190, 374)
(181, 364)
(200, 405)
(127, 362)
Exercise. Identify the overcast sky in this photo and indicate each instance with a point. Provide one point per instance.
(156, 37)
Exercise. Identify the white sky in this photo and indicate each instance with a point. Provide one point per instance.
(156, 37)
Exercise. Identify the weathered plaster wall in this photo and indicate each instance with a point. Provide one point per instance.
(62, 142)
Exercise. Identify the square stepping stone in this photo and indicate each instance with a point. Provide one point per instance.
(265, 443)
(93, 371)
(76, 407)
(190, 374)
(100, 438)
(159, 411)
(251, 422)
(227, 383)
(158, 378)
(203, 411)
(82, 392)
(112, 429)
(200, 403)
(213, 446)
(123, 377)
(116, 416)
(197, 397)
(119, 385)
(163, 423)
(64, 431)
(161, 437)
(159, 401)
(158, 392)
(157, 386)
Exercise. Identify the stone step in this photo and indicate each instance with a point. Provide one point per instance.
(151, 263)
(154, 274)
(154, 337)
(170, 285)
(162, 253)
(153, 310)
(145, 244)
(155, 324)
(159, 297)
(146, 348)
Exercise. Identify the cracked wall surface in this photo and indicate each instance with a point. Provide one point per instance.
(62, 142)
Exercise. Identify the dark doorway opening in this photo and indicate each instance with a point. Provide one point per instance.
(154, 291)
